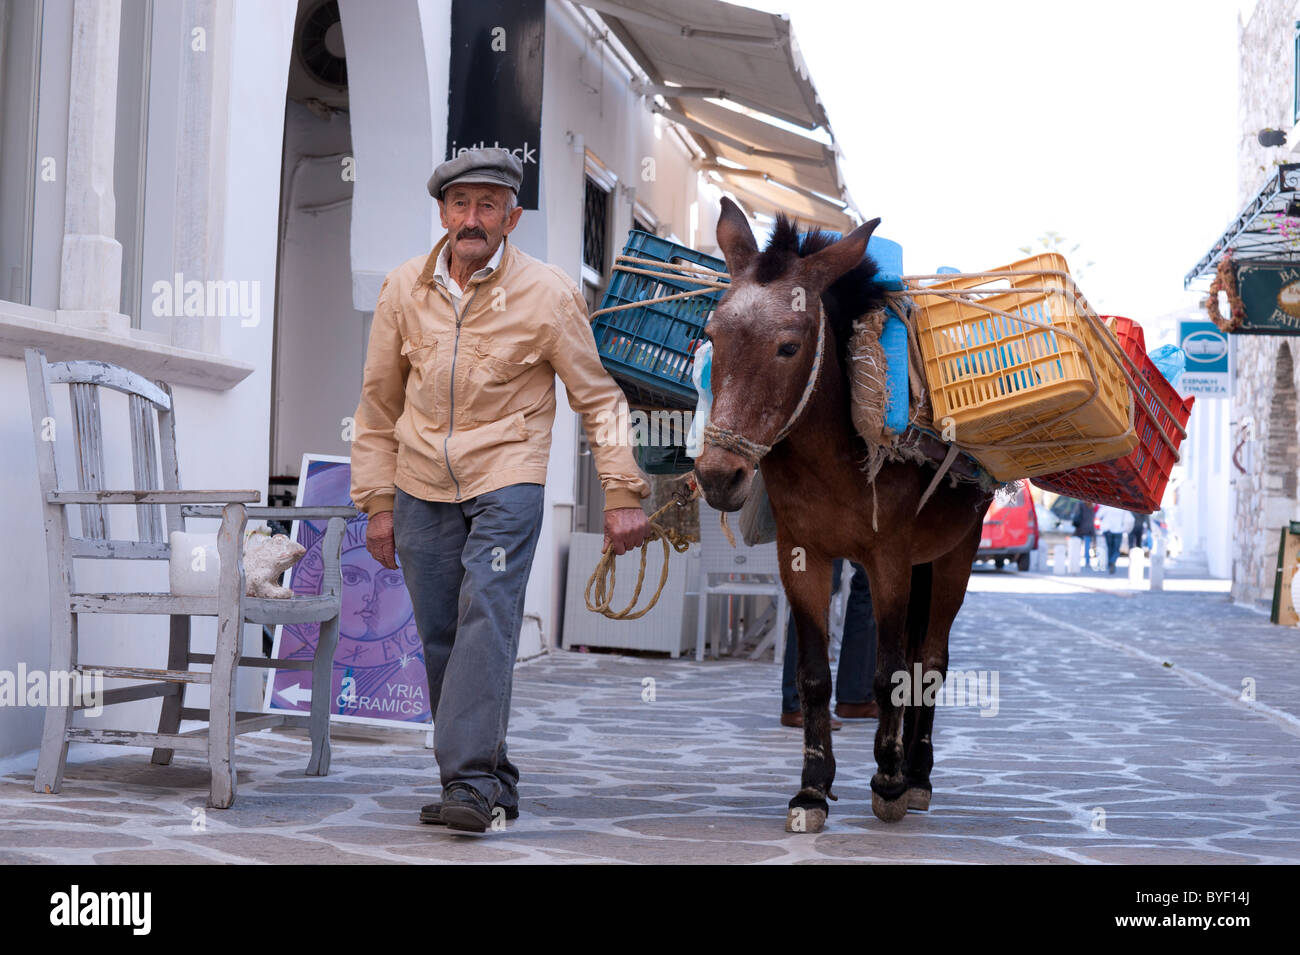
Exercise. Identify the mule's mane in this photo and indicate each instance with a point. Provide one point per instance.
(849, 297)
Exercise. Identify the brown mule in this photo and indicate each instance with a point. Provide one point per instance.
(780, 394)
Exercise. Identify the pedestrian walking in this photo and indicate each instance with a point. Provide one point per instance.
(1137, 536)
(1085, 516)
(453, 432)
(1115, 523)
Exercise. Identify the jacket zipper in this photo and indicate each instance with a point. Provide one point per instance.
(451, 388)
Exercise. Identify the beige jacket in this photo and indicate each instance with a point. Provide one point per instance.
(453, 407)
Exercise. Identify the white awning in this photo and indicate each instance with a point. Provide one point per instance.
(694, 51)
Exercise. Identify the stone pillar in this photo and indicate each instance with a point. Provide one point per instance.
(199, 211)
(1137, 566)
(90, 280)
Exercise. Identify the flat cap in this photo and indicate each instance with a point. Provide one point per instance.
(492, 165)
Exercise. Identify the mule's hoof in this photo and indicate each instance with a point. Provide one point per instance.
(918, 799)
(801, 819)
(889, 810)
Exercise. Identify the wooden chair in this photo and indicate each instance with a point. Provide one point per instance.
(160, 508)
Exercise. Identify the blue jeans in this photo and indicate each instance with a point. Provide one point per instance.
(1114, 540)
(857, 666)
(466, 566)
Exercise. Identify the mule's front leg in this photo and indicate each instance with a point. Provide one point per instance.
(891, 580)
(807, 581)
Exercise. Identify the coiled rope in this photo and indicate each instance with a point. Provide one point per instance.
(600, 585)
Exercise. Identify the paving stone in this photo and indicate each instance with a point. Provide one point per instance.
(704, 774)
(263, 847)
(62, 837)
(152, 856)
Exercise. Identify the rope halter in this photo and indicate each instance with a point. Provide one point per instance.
(753, 451)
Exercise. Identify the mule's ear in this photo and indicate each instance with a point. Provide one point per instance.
(735, 237)
(824, 267)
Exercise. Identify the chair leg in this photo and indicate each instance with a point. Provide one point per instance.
(221, 708)
(178, 658)
(701, 621)
(54, 738)
(322, 687)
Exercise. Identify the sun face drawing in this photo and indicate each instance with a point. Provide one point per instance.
(379, 662)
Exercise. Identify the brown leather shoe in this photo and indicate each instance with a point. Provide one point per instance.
(795, 720)
(858, 711)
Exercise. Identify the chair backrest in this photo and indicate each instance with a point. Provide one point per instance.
(153, 451)
(717, 556)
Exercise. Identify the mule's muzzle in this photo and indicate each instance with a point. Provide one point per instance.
(724, 477)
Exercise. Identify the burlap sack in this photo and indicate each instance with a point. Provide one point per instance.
(868, 380)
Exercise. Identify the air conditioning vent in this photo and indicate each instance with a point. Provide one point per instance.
(320, 45)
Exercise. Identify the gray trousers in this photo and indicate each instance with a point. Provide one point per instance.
(466, 566)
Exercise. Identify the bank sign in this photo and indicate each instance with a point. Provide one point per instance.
(1271, 294)
(1206, 348)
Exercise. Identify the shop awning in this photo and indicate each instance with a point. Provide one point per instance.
(698, 52)
(1266, 229)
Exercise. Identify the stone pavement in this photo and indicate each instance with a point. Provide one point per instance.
(1119, 737)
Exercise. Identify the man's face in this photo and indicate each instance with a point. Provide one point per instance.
(475, 218)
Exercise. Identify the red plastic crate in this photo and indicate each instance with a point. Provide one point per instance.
(1135, 482)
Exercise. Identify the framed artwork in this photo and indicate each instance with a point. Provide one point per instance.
(378, 675)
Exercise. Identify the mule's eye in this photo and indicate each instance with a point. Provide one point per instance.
(788, 349)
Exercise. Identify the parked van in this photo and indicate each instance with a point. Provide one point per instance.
(1010, 530)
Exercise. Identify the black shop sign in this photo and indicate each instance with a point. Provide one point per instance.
(495, 89)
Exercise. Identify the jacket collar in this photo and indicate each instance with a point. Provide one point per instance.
(426, 278)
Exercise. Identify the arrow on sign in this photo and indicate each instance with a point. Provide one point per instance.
(295, 694)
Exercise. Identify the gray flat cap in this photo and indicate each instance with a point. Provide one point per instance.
(491, 166)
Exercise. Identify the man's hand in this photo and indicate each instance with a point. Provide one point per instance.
(379, 539)
(626, 528)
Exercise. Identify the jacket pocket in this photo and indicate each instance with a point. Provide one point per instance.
(426, 386)
(505, 379)
(500, 364)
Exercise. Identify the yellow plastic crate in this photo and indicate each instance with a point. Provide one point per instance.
(993, 376)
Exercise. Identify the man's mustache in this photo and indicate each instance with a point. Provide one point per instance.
(472, 234)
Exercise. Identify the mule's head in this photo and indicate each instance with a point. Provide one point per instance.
(764, 334)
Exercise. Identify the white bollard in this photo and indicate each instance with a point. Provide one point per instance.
(1058, 560)
(1137, 565)
(1103, 554)
(1158, 563)
(1038, 558)
(1076, 554)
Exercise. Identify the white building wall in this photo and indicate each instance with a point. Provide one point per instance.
(1265, 99)
(222, 436)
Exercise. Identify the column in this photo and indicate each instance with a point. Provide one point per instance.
(90, 281)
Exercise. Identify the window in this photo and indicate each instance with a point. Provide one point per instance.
(595, 225)
(597, 214)
(20, 45)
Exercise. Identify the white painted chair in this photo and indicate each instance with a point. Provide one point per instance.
(160, 508)
(739, 571)
(750, 572)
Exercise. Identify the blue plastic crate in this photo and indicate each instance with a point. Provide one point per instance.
(647, 350)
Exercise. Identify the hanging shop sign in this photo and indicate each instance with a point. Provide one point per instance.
(1271, 296)
(1207, 350)
(495, 89)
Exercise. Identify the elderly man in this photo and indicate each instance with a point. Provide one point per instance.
(453, 434)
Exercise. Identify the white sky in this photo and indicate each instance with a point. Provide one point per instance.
(971, 128)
